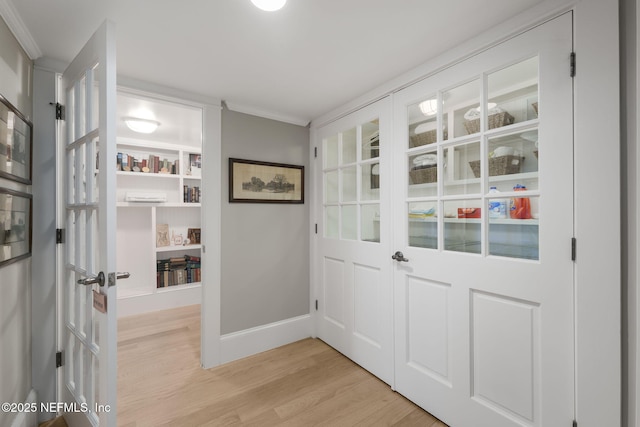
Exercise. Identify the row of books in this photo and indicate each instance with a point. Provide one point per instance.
(129, 163)
(178, 271)
(191, 194)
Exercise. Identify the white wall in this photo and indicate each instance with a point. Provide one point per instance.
(15, 279)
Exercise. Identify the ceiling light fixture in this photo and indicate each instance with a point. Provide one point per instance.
(429, 107)
(269, 5)
(141, 125)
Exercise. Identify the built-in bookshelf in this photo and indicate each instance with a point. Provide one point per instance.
(159, 222)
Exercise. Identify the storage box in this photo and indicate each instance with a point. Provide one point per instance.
(503, 165)
(469, 213)
(495, 121)
(423, 175)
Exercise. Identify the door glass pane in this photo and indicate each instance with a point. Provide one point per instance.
(349, 146)
(350, 222)
(462, 226)
(332, 222)
(423, 175)
(370, 182)
(330, 152)
(370, 223)
(371, 140)
(331, 187)
(514, 159)
(349, 184)
(463, 105)
(513, 93)
(517, 235)
(95, 98)
(462, 169)
(423, 225)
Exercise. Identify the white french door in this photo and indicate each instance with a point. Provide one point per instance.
(483, 207)
(355, 278)
(87, 212)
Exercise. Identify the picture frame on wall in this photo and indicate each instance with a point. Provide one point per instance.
(15, 226)
(252, 181)
(16, 141)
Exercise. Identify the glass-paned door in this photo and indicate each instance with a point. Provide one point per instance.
(353, 208)
(483, 191)
(86, 165)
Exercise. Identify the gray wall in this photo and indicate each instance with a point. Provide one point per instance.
(16, 71)
(43, 298)
(629, 177)
(265, 247)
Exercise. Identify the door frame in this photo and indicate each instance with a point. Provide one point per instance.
(598, 279)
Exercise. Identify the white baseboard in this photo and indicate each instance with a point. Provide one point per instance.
(24, 418)
(162, 299)
(262, 338)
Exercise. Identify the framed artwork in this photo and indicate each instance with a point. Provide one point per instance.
(15, 226)
(15, 144)
(262, 182)
(162, 235)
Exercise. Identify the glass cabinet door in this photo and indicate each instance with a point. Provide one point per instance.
(472, 163)
(351, 174)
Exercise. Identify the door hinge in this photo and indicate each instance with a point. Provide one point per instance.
(59, 110)
(315, 152)
(59, 361)
(316, 228)
(59, 235)
(573, 64)
(573, 249)
(316, 305)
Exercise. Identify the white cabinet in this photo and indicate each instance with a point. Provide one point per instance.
(159, 215)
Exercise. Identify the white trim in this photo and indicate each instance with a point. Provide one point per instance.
(27, 418)
(246, 109)
(19, 29)
(632, 395)
(266, 337)
(167, 299)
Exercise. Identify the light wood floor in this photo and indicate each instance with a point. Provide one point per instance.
(307, 383)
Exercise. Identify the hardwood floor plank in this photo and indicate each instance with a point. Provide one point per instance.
(307, 383)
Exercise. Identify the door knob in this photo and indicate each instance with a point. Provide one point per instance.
(399, 256)
(99, 279)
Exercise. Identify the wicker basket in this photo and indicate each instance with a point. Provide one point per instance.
(426, 138)
(503, 165)
(495, 121)
(423, 175)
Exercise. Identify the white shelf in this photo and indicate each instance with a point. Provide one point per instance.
(147, 175)
(507, 221)
(179, 287)
(175, 248)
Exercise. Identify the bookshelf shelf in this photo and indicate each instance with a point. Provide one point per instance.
(175, 248)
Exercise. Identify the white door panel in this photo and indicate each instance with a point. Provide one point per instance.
(355, 281)
(484, 305)
(87, 212)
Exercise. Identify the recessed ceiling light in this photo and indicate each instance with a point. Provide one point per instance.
(269, 5)
(141, 125)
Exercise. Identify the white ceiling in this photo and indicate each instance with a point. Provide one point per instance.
(299, 63)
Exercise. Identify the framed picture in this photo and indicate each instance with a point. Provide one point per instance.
(15, 144)
(15, 226)
(262, 182)
(162, 235)
(193, 234)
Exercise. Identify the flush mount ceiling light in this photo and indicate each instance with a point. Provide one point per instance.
(269, 5)
(141, 125)
(429, 107)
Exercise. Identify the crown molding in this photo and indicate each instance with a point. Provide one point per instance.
(20, 31)
(239, 108)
